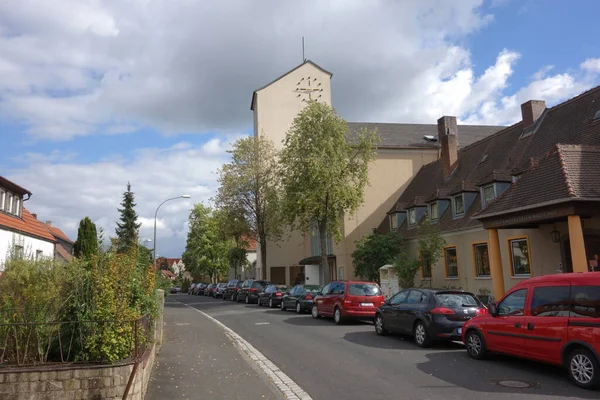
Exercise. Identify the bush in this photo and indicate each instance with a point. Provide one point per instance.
(406, 269)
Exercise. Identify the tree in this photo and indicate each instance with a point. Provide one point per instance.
(250, 184)
(127, 228)
(431, 247)
(205, 250)
(406, 269)
(86, 244)
(235, 230)
(373, 252)
(324, 172)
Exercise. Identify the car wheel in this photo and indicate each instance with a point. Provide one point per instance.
(475, 345)
(315, 312)
(379, 328)
(247, 299)
(298, 308)
(337, 316)
(420, 334)
(584, 369)
(271, 303)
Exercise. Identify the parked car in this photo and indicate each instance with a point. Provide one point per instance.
(199, 289)
(230, 289)
(272, 295)
(219, 290)
(191, 288)
(348, 299)
(300, 298)
(209, 290)
(176, 289)
(554, 319)
(428, 314)
(250, 289)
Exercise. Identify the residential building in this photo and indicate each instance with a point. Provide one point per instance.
(403, 150)
(21, 234)
(249, 270)
(63, 250)
(519, 203)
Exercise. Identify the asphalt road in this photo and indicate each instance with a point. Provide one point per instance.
(329, 361)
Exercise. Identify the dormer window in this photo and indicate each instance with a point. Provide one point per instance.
(412, 217)
(433, 211)
(394, 221)
(458, 205)
(10, 203)
(488, 194)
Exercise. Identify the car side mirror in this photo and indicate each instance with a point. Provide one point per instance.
(493, 309)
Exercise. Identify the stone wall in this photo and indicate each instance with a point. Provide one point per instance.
(81, 382)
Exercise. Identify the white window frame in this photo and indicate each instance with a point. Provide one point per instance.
(394, 221)
(484, 202)
(512, 256)
(413, 212)
(17, 206)
(437, 211)
(9, 203)
(38, 254)
(454, 211)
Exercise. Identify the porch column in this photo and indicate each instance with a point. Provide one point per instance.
(496, 263)
(578, 256)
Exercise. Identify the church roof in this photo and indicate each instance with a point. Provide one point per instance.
(283, 76)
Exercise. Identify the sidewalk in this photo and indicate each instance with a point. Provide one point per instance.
(198, 361)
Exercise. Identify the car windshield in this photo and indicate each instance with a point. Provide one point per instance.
(222, 285)
(456, 300)
(280, 288)
(364, 289)
(312, 288)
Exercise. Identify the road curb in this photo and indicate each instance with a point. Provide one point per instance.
(284, 383)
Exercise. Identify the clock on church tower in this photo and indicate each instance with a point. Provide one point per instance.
(309, 88)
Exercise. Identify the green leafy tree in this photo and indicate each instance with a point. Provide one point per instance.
(406, 269)
(324, 172)
(431, 247)
(127, 227)
(206, 251)
(250, 185)
(373, 252)
(235, 230)
(86, 244)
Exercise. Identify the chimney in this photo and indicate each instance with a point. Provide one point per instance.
(34, 215)
(531, 111)
(49, 223)
(448, 138)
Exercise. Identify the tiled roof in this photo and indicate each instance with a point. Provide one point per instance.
(167, 273)
(57, 233)
(567, 172)
(27, 225)
(251, 243)
(411, 135)
(13, 187)
(507, 153)
(63, 253)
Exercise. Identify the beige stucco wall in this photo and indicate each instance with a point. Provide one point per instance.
(545, 257)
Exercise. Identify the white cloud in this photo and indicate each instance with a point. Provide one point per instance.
(591, 65)
(65, 192)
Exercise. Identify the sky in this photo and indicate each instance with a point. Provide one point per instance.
(98, 93)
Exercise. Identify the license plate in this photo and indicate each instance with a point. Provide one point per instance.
(459, 330)
(366, 304)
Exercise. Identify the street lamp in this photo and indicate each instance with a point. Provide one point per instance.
(183, 196)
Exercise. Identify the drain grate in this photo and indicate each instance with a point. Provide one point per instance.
(515, 384)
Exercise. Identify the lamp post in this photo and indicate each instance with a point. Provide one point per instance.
(183, 196)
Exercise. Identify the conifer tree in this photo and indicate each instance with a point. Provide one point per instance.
(87, 239)
(127, 227)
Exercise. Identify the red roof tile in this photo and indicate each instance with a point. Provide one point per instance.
(58, 233)
(27, 225)
(250, 243)
(63, 252)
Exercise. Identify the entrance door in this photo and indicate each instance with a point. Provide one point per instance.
(312, 274)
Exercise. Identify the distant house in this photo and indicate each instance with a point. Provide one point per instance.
(21, 234)
(173, 264)
(168, 274)
(64, 246)
(248, 271)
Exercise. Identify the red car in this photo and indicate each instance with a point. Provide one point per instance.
(553, 319)
(347, 299)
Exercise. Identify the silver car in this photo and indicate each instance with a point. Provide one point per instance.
(219, 290)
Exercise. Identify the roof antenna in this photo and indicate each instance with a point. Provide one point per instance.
(303, 58)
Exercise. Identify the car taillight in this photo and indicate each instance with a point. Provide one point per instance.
(253, 290)
(236, 289)
(442, 310)
(278, 294)
(347, 302)
(308, 296)
(481, 311)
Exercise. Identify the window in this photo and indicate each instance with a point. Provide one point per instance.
(18, 251)
(38, 254)
(8, 203)
(394, 221)
(338, 288)
(519, 256)
(451, 262)
(551, 301)
(326, 289)
(340, 273)
(482, 260)
(425, 269)
(513, 304)
(489, 194)
(415, 297)
(459, 205)
(586, 301)
(2, 195)
(17, 206)
(364, 289)
(412, 216)
(433, 211)
(399, 298)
